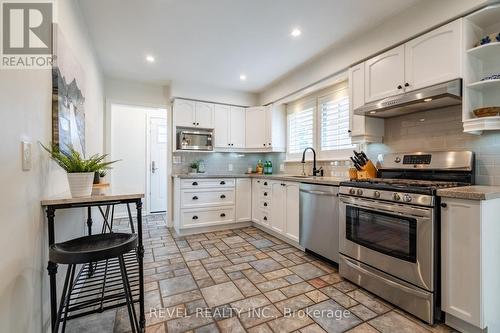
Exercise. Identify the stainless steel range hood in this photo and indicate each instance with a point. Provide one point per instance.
(434, 97)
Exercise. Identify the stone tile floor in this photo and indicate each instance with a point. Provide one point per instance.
(245, 280)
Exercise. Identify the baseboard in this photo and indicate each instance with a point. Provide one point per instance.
(461, 325)
(278, 235)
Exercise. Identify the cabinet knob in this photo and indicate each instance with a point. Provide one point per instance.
(222, 215)
(269, 144)
(400, 87)
(265, 204)
(264, 144)
(223, 183)
(265, 183)
(265, 194)
(197, 124)
(195, 217)
(407, 84)
(194, 184)
(194, 123)
(195, 198)
(349, 131)
(265, 218)
(444, 205)
(223, 196)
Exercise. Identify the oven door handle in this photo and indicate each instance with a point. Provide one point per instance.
(388, 208)
(354, 266)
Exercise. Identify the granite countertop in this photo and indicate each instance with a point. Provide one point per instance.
(285, 177)
(474, 192)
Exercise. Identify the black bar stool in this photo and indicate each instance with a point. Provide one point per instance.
(91, 249)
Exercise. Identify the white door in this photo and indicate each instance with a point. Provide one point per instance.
(278, 200)
(204, 115)
(237, 127)
(255, 127)
(184, 113)
(461, 260)
(434, 57)
(292, 211)
(221, 126)
(158, 165)
(357, 99)
(385, 74)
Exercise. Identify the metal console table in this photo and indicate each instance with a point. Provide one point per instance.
(98, 283)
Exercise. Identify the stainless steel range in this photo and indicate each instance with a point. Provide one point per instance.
(389, 227)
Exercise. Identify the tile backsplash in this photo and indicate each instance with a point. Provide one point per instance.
(441, 130)
(219, 163)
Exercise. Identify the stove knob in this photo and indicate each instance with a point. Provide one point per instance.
(352, 191)
(396, 196)
(360, 192)
(406, 198)
(397, 159)
(376, 194)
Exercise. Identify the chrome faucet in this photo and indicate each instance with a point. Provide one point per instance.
(315, 171)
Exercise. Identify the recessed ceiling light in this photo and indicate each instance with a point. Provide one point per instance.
(427, 99)
(296, 32)
(150, 58)
(373, 112)
(243, 77)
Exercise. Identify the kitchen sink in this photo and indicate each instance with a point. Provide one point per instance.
(301, 176)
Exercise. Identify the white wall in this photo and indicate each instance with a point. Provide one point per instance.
(212, 94)
(413, 21)
(136, 93)
(25, 108)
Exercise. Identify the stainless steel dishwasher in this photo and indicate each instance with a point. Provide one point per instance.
(319, 220)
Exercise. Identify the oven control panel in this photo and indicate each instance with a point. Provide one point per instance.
(417, 159)
(401, 197)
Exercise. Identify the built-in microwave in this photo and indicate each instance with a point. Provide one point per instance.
(195, 139)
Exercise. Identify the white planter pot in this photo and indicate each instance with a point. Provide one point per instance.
(80, 183)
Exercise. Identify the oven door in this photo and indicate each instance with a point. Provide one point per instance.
(396, 239)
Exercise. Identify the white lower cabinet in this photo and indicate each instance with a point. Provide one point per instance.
(243, 199)
(292, 211)
(470, 266)
(278, 202)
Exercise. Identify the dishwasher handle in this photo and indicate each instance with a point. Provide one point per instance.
(330, 194)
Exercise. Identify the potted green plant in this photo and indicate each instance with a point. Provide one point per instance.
(80, 170)
(194, 166)
(102, 174)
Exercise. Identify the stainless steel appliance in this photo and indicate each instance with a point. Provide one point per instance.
(434, 97)
(389, 227)
(319, 224)
(194, 139)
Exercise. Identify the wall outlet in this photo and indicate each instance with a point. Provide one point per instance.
(26, 155)
(229, 167)
(282, 167)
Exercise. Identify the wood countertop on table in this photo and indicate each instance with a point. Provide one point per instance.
(99, 194)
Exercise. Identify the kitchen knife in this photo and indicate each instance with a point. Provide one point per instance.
(359, 158)
(364, 156)
(355, 164)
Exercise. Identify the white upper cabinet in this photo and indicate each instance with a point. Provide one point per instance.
(204, 115)
(256, 128)
(276, 128)
(385, 74)
(434, 57)
(362, 129)
(237, 127)
(184, 113)
(221, 125)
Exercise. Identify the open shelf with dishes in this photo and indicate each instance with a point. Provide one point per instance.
(481, 70)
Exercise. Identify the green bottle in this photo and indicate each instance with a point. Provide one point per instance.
(270, 167)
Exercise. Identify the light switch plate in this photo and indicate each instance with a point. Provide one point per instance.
(26, 155)
(282, 167)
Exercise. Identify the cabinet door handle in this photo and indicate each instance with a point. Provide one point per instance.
(195, 184)
(400, 87)
(195, 217)
(444, 205)
(223, 196)
(265, 194)
(407, 84)
(223, 183)
(194, 124)
(264, 144)
(265, 183)
(265, 204)
(195, 198)
(269, 144)
(197, 124)
(265, 218)
(222, 215)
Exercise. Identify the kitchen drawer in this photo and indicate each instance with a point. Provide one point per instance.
(265, 204)
(207, 183)
(201, 217)
(263, 183)
(265, 193)
(206, 198)
(264, 216)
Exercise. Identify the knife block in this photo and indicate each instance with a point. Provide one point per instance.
(369, 171)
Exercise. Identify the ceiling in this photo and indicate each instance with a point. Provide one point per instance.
(214, 42)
